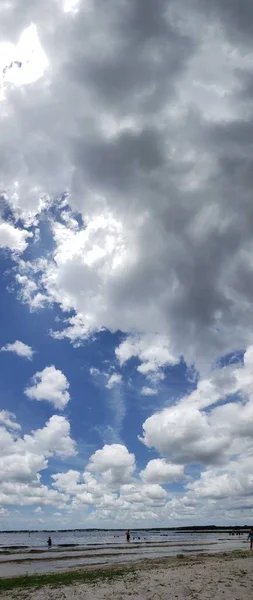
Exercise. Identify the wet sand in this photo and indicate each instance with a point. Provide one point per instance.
(227, 576)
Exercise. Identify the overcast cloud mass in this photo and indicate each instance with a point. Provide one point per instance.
(126, 219)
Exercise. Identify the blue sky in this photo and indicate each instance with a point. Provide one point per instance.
(126, 264)
(97, 415)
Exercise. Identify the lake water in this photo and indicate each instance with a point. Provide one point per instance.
(21, 552)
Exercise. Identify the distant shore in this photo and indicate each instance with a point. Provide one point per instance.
(200, 577)
(185, 529)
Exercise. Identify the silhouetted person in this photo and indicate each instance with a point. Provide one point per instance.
(127, 535)
(49, 542)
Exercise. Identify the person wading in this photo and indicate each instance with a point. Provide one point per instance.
(250, 537)
(49, 542)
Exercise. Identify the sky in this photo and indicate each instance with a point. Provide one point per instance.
(126, 259)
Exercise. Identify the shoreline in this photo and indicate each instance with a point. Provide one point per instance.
(106, 574)
(38, 562)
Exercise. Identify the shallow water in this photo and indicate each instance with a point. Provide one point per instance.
(22, 553)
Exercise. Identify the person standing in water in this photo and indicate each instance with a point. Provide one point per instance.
(250, 537)
(127, 535)
(49, 542)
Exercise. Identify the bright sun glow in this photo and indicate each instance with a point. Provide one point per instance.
(24, 63)
(70, 6)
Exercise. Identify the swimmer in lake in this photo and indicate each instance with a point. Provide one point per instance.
(49, 542)
(127, 535)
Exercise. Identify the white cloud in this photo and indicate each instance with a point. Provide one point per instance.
(147, 391)
(160, 471)
(13, 238)
(197, 429)
(52, 439)
(29, 290)
(29, 494)
(51, 385)
(236, 481)
(71, 6)
(67, 482)
(185, 435)
(8, 419)
(21, 467)
(108, 484)
(114, 379)
(141, 493)
(26, 62)
(24, 458)
(219, 494)
(114, 462)
(244, 379)
(153, 351)
(19, 348)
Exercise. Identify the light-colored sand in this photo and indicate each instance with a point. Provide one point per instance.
(200, 578)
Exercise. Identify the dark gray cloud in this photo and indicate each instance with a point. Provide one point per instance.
(144, 115)
(133, 64)
(235, 16)
(119, 162)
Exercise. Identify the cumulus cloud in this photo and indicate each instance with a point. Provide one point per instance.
(109, 483)
(138, 494)
(13, 238)
(201, 429)
(84, 489)
(114, 462)
(153, 352)
(218, 493)
(19, 348)
(67, 482)
(52, 439)
(51, 385)
(159, 470)
(185, 436)
(21, 468)
(235, 481)
(24, 458)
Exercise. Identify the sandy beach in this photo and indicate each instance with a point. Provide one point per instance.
(227, 576)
